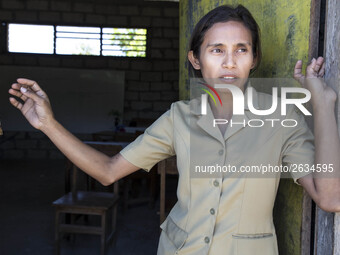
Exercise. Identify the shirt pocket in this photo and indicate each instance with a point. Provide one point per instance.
(174, 233)
(255, 244)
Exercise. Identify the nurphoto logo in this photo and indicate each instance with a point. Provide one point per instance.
(238, 99)
(213, 90)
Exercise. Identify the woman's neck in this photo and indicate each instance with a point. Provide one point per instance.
(224, 111)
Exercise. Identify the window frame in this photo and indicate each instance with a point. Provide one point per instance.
(5, 35)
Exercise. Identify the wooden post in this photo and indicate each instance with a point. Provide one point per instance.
(328, 224)
(306, 226)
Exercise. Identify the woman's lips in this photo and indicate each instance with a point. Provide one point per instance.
(228, 78)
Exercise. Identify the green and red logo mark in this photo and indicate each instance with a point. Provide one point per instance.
(209, 93)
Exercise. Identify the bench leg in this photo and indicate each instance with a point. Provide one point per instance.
(57, 234)
(104, 234)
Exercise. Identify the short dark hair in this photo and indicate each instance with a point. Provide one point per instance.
(222, 14)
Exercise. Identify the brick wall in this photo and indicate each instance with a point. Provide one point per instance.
(30, 145)
(151, 82)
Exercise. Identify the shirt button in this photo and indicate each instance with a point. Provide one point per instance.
(212, 211)
(206, 239)
(220, 152)
(216, 183)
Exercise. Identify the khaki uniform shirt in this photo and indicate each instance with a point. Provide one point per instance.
(220, 213)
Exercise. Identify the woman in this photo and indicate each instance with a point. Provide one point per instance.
(218, 215)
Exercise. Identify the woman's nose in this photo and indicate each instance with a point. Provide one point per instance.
(229, 61)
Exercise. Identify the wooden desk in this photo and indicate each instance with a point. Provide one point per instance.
(123, 144)
(130, 134)
(126, 181)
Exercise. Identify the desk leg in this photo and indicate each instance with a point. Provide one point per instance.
(162, 197)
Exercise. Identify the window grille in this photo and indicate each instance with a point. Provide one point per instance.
(75, 40)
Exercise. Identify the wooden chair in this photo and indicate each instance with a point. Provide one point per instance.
(89, 202)
(139, 176)
(129, 182)
(165, 167)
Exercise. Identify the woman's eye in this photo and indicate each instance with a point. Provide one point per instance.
(216, 51)
(242, 50)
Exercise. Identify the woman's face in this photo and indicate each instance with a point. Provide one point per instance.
(225, 54)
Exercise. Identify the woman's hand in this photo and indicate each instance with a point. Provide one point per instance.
(35, 105)
(313, 81)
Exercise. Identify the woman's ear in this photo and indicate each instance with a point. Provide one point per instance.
(193, 60)
(254, 63)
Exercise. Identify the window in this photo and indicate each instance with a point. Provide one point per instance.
(77, 40)
(74, 40)
(130, 42)
(30, 38)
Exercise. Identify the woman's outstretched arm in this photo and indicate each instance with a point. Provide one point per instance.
(324, 191)
(36, 108)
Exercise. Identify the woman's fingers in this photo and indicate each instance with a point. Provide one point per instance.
(310, 70)
(316, 68)
(317, 64)
(17, 86)
(18, 94)
(31, 94)
(32, 84)
(298, 68)
(298, 72)
(322, 70)
(15, 103)
(25, 90)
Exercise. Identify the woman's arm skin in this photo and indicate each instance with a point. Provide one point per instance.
(324, 191)
(37, 110)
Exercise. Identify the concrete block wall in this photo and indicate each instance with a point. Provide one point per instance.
(151, 82)
(30, 145)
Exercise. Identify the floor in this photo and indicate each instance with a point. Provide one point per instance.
(27, 189)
